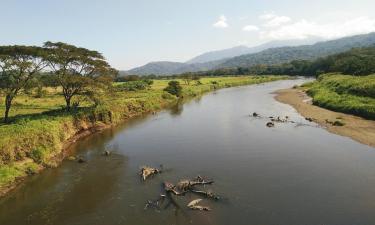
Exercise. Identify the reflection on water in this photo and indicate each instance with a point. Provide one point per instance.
(288, 174)
(177, 109)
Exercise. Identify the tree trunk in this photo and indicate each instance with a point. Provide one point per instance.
(68, 102)
(8, 104)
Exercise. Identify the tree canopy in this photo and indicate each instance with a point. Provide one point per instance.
(76, 68)
(18, 65)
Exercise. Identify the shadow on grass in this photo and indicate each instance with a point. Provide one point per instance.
(55, 113)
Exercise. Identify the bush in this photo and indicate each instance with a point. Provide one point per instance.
(37, 155)
(40, 92)
(135, 85)
(168, 96)
(174, 88)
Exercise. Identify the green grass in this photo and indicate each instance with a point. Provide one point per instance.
(39, 127)
(344, 93)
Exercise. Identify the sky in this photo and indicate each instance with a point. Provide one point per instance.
(133, 33)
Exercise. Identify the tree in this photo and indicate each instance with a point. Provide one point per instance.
(187, 77)
(18, 65)
(174, 88)
(76, 69)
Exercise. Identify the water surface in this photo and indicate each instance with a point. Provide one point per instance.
(289, 174)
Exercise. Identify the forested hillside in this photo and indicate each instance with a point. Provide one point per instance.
(306, 52)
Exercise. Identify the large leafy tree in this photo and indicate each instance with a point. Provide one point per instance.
(18, 65)
(76, 69)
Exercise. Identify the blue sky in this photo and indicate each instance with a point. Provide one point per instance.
(132, 33)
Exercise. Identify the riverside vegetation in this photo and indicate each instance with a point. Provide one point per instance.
(45, 117)
(344, 93)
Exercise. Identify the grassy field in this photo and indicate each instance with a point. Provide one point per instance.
(40, 127)
(343, 93)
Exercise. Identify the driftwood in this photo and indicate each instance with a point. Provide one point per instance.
(185, 185)
(207, 194)
(171, 188)
(194, 205)
(156, 204)
(182, 187)
(147, 171)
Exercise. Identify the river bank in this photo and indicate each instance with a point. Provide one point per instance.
(354, 127)
(39, 141)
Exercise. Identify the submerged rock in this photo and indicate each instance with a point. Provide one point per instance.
(81, 160)
(106, 153)
(270, 124)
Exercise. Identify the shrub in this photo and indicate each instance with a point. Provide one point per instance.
(168, 96)
(135, 85)
(174, 88)
(37, 155)
(40, 92)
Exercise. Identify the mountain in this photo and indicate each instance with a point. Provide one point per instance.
(305, 52)
(268, 53)
(242, 50)
(220, 54)
(157, 68)
(209, 60)
(168, 68)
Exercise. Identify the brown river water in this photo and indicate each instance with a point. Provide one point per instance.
(291, 174)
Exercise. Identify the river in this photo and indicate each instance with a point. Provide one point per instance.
(292, 174)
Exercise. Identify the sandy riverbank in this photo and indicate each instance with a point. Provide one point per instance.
(357, 128)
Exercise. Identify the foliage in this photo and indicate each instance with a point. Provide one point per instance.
(128, 78)
(345, 93)
(76, 68)
(134, 85)
(174, 88)
(18, 65)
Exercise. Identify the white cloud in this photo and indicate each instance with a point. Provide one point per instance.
(303, 29)
(221, 23)
(250, 28)
(277, 21)
(273, 20)
(267, 16)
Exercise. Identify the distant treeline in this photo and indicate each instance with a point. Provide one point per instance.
(358, 62)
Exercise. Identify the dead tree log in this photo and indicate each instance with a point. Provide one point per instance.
(147, 171)
(194, 205)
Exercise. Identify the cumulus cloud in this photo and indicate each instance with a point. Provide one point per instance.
(250, 28)
(267, 16)
(273, 20)
(277, 21)
(221, 22)
(303, 29)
